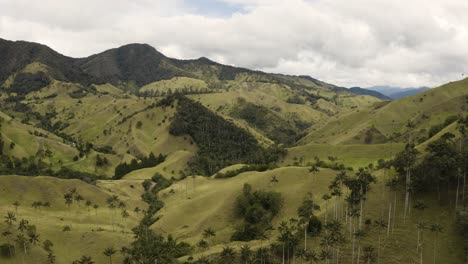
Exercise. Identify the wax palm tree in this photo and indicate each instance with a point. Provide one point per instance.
(437, 229)
(10, 218)
(368, 254)
(359, 235)
(228, 255)
(8, 235)
(66, 229)
(23, 225)
(209, 232)
(109, 252)
(314, 169)
(421, 226)
(125, 215)
(311, 256)
(95, 206)
(33, 237)
(245, 254)
(51, 258)
(202, 244)
(88, 205)
(326, 197)
(16, 204)
(381, 225)
(22, 241)
(84, 260)
(47, 245)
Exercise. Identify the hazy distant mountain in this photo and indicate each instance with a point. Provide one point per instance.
(362, 91)
(398, 92)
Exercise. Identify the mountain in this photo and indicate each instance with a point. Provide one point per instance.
(397, 92)
(139, 139)
(362, 91)
(408, 92)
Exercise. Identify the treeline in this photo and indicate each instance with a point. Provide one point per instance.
(221, 143)
(35, 166)
(443, 164)
(145, 162)
(170, 92)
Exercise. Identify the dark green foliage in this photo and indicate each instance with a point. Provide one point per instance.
(161, 182)
(7, 250)
(276, 128)
(438, 167)
(315, 226)
(220, 142)
(257, 208)
(295, 100)
(462, 222)
(101, 161)
(146, 162)
(29, 82)
(253, 167)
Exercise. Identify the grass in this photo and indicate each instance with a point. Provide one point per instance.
(356, 155)
(198, 203)
(90, 233)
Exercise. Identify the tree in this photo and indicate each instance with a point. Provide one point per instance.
(314, 169)
(306, 212)
(228, 255)
(404, 163)
(10, 218)
(436, 229)
(47, 245)
(109, 252)
(368, 254)
(381, 225)
(326, 197)
(359, 235)
(84, 260)
(245, 254)
(16, 204)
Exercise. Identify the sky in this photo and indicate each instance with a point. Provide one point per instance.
(406, 43)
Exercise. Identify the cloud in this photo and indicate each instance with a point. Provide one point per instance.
(348, 43)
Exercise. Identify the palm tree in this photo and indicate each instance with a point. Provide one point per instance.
(421, 227)
(326, 197)
(314, 169)
(65, 230)
(95, 206)
(359, 235)
(10, 218)
(109, 252)
(228, 255)
(23, 225)
(246, 254)
(381, 225)
(51, 258)
(7, 235)
(84, 260)
(16, 204)
(436, 228)
(368, 254)
(88, 204)
(33, 237)
(420, 206)
(47, 245)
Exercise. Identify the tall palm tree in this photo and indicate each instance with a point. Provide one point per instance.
(381, 225)
(326, 197)
(66, 229)
(228, 255)
(10, 218)
(95, 206)
(359, 235)
(16, 204)
(437, 229)
(51, 258)
(109, 252)
(368, 254)
(8, 235)
(314, 169)
(421, 227)
(84, 260)
(245, 254)
(33, 237)
(23, 225)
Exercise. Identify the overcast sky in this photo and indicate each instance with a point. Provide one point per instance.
(344, 42)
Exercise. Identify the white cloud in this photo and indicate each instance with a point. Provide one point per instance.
(348, 43)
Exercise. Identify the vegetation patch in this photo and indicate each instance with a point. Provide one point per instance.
(220, 142)
(257, 208)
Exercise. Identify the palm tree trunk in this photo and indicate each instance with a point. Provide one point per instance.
(389, 218)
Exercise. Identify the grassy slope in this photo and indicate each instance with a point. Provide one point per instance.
(436, 104)
(356, 155)
(84, 237)
(200, 202)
